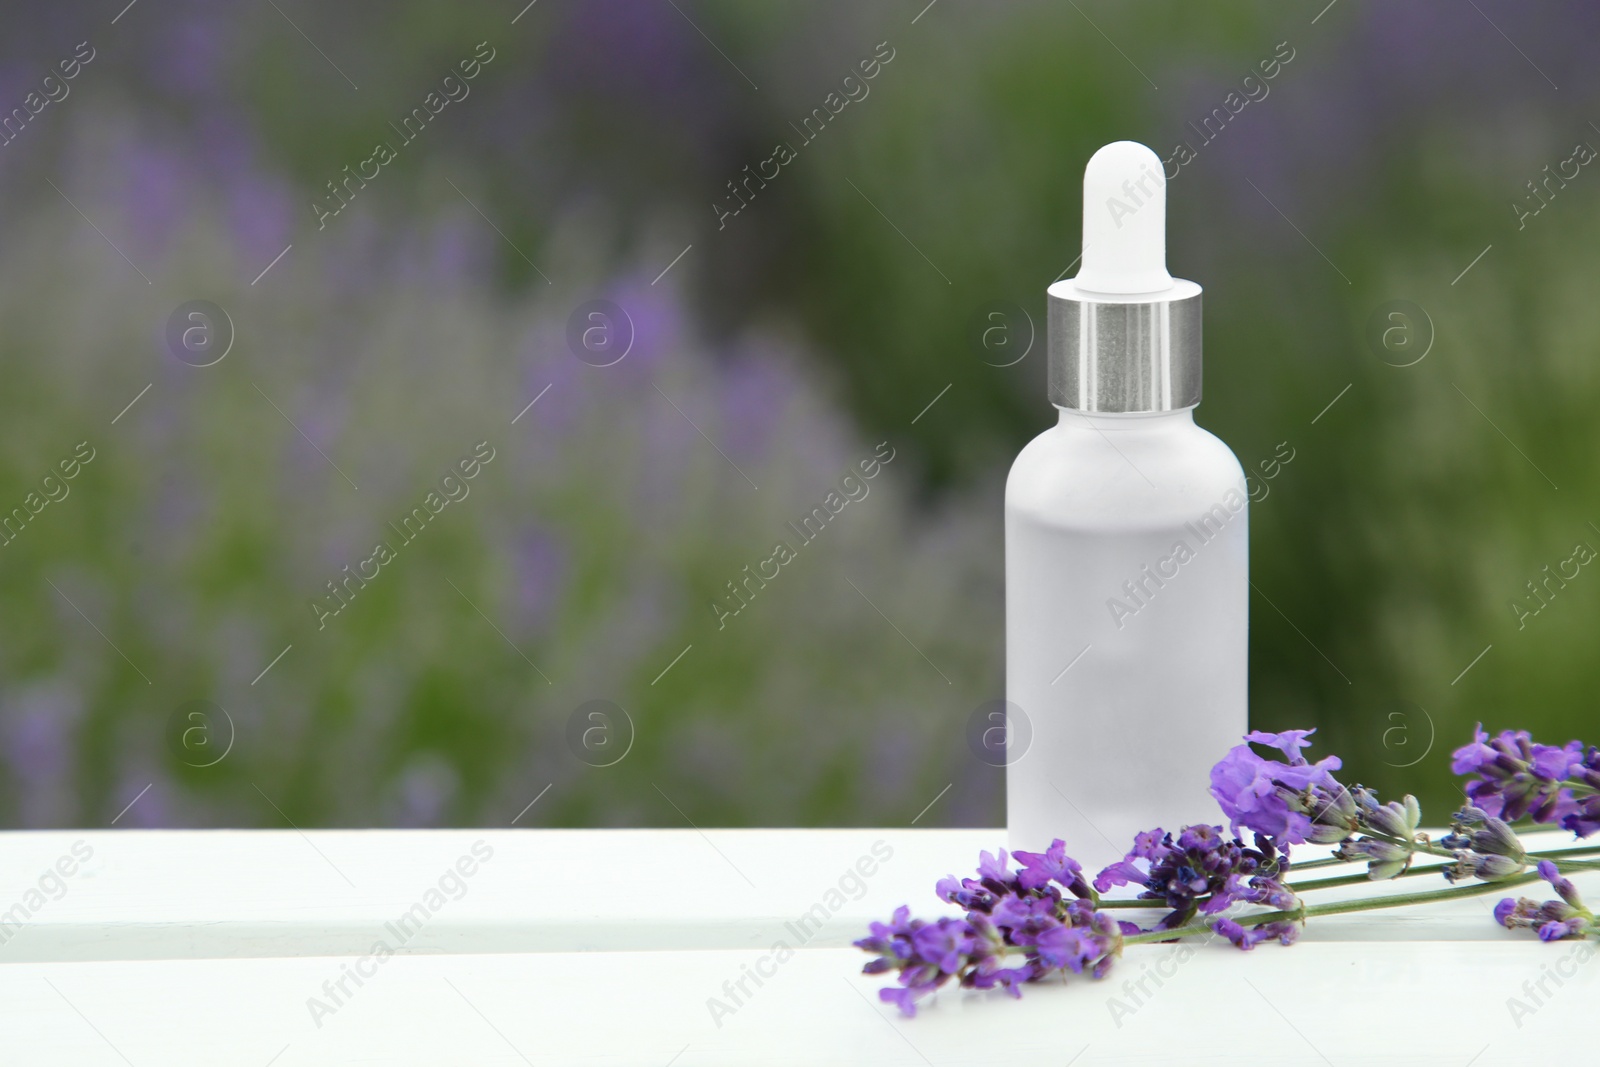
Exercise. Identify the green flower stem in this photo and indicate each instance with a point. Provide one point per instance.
(1429, 848)
(1311, 865)
(1340, 907)
(1400, 900)
(1167, 935)
(1527, 828)
(1353, 879)
(1426, 848)
(1421, 847)
(1562, 858)
(1522, 828)
(1360, 878)
(1559, 856)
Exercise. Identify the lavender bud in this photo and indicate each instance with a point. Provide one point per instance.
(1385, 859)
(1328, 833)
(1385, 852)
(1492, 868)
(1563, 886)
(1397, 818)
(1497, 838)
(1333, 815)
(1365, 799)
(1477, 865)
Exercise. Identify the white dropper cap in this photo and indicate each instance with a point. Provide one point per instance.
(1124, 335)
(1124, 221)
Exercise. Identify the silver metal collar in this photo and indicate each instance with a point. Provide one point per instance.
(1121, 353)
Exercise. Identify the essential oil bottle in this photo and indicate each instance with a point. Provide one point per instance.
(1127, 588)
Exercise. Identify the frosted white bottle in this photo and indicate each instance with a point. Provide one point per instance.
(1127, 562)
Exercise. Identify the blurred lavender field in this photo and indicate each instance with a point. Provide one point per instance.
(375, 347)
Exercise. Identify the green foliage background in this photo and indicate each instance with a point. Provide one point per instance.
(781, 348)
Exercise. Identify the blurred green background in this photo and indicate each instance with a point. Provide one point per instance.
(158, 643)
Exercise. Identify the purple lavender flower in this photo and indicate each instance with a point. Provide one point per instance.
(1025, 918)
(953, 890)
(994, 872)
(1288, 802)
(1021, 913)
(1563, 886)
(1479, 831)
(995, 880)
(1518, 777)
(1285, 930)
(1052, 865)
(1584, 819)
(1554, 920)
(1487, 868)
(1202, 871)
(1289, 742)
(945, 943)
(1260, 889)
(891, 940)
(1577, 926)
(1485, 847)
(1089, 941)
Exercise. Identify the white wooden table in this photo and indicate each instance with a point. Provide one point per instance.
(607, 947)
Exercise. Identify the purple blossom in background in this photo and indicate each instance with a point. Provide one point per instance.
(37, 727)
(541, 563)
(756, 397)
(425, 790)
(642, 57)
(454, 251)
(657, 319)
(259, 216)
(144, 796)
(158, 185)
(195, 64)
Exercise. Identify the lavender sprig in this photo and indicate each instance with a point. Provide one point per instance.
(1044, 918)
(1008, 914)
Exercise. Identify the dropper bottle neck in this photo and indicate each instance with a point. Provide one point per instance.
(1071, 418)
